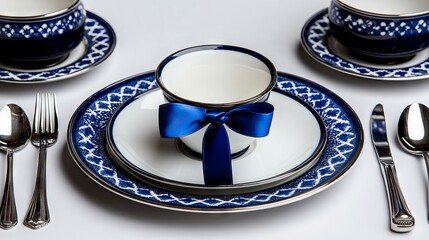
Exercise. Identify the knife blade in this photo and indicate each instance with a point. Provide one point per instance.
(401, 219)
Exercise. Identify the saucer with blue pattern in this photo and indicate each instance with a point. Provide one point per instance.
(86, 140)
(98, 44)
(325, 49)
(138, 149)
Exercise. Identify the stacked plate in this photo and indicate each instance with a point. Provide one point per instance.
(315, 138)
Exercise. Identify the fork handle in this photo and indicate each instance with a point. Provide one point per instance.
(38, 212)
(8, 214)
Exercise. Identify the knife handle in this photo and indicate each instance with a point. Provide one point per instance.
(401, 219)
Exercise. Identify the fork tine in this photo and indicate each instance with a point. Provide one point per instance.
(56, 113)
(43, 113)
(36, 114)
(47, 114)
(53, 113)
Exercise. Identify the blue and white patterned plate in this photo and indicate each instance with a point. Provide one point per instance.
(323, 47)
(99, 42)
(87, 139)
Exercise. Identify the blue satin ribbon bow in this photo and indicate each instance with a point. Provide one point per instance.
(179, 120)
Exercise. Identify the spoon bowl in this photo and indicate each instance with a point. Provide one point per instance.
(413, 129)
(413, 132)
(15, 132)
(14, 128)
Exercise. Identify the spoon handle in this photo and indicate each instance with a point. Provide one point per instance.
(426, 156)
(8, 214)
(38, 212)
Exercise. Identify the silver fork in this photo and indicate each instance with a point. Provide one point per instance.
(45, 133)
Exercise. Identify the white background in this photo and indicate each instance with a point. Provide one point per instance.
(147, 31)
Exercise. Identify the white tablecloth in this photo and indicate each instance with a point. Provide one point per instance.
(147, 31)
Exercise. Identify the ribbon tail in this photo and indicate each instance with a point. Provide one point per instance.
(217, 166)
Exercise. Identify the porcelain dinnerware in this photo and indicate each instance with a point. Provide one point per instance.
(87, 145)
(34, 34)
(217, 106)
(319, 43)
(98, 44)
(216, 77)
(160, 162)
(386, 31)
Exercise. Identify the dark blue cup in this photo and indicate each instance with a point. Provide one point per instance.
(41, 34)
(382, 31)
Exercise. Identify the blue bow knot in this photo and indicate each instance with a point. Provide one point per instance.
(179, 120)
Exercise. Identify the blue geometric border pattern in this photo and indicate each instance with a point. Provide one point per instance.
(378, 26)
(314, 37)
(86, 139)
(44, 29)
(100, 40)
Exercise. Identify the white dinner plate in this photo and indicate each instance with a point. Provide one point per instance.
(135, 145)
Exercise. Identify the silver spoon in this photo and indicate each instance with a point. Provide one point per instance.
(15, 132)
(413, 133)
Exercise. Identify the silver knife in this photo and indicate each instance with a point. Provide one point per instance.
(401, 219)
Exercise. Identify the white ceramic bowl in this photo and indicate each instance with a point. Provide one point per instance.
(216, 77)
